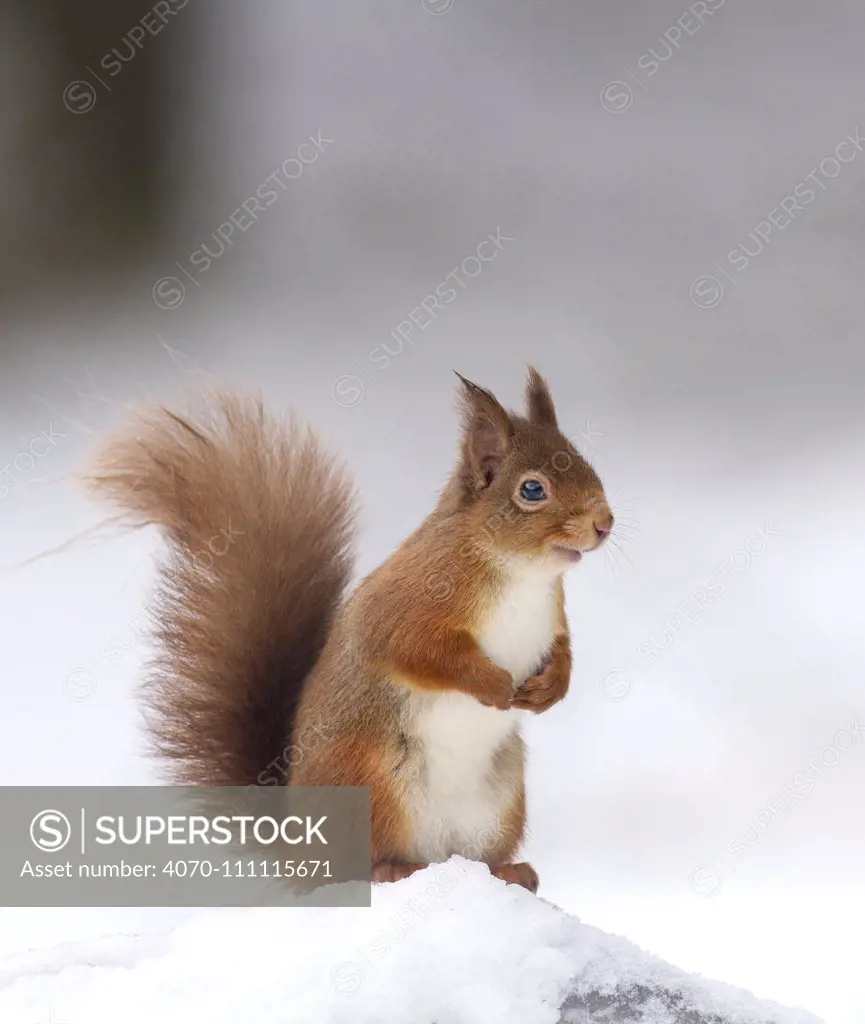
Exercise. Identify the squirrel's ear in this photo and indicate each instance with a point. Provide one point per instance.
(539, 400)
(487, 432)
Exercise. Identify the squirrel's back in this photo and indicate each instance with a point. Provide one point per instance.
(259, 521)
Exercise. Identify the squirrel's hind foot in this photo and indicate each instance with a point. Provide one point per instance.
(518, 874)
(394, 871)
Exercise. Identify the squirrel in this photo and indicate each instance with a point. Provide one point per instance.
(266, 673)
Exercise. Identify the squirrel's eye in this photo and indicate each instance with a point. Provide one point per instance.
(532, 490)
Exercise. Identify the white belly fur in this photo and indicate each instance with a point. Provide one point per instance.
(455, 806)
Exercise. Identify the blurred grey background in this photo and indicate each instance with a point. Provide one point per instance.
(678, 193)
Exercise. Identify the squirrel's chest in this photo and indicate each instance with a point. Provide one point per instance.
(468, 767)
(519, 628)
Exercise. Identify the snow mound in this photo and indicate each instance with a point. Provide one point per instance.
(450, 945)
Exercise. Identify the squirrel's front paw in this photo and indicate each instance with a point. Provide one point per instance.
(497, 690)
(540, 692)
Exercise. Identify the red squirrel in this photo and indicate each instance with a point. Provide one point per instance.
(411, 685)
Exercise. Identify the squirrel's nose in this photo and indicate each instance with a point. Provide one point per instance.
(603, 522)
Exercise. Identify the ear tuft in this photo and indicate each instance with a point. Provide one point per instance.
(539, 400)
(487, 433)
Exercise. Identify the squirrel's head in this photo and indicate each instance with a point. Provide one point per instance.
(528, 490)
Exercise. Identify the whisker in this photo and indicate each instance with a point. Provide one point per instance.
(619, 508)
(627, 526)
(624, 554)
(630, 538)
(613, 496)
(623, 539)
(618, 560)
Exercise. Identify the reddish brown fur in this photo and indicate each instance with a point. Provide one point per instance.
(259, 522)
(254, 649)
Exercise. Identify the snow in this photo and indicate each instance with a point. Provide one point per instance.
(450, 945)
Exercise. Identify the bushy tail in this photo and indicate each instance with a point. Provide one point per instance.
(259, 522)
